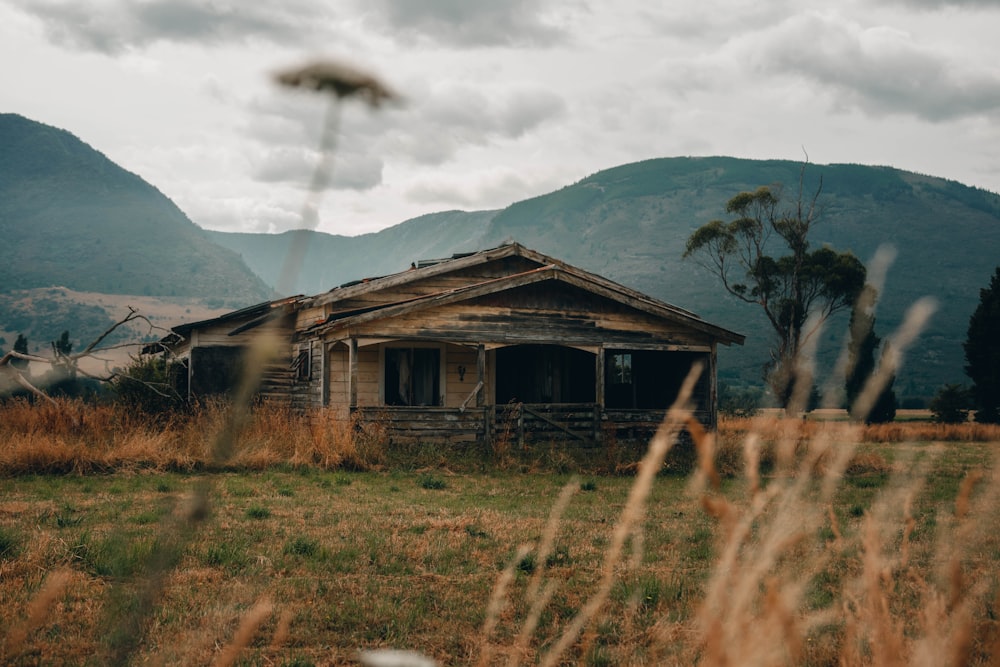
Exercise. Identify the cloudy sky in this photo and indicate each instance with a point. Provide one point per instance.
(501, 100)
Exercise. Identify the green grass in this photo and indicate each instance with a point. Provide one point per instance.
(258, 512)
(10, 544)
(386, 559)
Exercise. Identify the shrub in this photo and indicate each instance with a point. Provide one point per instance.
(301, 546)
(433, 483)
(10, 545)
(150, 384)
(739, 401)
(951, 404)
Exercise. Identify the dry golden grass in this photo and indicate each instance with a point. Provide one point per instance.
(72, 436)
(772, 428)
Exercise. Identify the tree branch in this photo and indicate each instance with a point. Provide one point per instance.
(70, 361)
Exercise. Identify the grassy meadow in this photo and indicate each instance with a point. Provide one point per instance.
(783, 542)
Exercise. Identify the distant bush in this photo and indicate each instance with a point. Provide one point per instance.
(739, 401)
(151, 385)
(951, 405)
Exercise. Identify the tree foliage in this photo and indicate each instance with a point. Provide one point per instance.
(739, 401)
(951, 404)
(762, 256)
(21, 346)
(61, 378)
(982, 353)
(149, 384)
(861, 348)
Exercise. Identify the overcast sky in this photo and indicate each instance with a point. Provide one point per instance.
(503, 100)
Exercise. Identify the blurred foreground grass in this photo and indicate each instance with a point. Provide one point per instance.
(409, 558)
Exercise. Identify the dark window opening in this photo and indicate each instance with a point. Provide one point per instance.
(216, 370)
(302, 364)
(620, 368)
(646, 380)
(412, 376)
(545, 374)
(177, 376)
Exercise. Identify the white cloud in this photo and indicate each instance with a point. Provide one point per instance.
(113, 26)
(503, 100)
(466, 23)
(881, 69)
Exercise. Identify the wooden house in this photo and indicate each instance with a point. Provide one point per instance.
(505, 340)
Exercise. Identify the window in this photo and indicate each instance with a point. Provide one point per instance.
(545, 374)
(650, 379)
(412, 376)
(619, 380)
(302, 363)
(620, 368)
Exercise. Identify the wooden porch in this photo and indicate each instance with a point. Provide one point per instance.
(519, 424)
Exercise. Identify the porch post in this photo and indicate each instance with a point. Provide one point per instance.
(599, 394)
(713, 389)
(481, 396)
(353, 380)
(481, 374)
(190, 368)
(599, 374)
(324, 381)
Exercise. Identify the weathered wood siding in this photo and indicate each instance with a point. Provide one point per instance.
(359, 296)
(457, 389)
(306, 392)
(338, 375)
(408, 425)
(370, 374)
(218, 336)
(536, 313)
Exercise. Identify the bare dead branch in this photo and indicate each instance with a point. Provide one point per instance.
(26, 384)
(133, 315)
(71, 361)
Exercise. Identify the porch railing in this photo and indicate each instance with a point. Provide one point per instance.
(584, 424)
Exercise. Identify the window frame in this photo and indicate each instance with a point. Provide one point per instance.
(302, 363)
(441, 372)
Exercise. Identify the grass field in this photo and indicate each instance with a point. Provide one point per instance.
(480, 560)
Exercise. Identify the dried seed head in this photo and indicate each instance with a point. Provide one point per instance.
(342, 80)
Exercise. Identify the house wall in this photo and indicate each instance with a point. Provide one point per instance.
(306, 392)
(456, 388)
(338, 375)
(462, 311)
(218, 336)
(370, 370)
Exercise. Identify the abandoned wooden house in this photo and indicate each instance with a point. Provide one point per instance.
(505, 340)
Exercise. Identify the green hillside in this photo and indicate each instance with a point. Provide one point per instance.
(630, 224)
(331, 259)
(71, 217)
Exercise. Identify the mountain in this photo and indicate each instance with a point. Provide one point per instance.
(331, 259)
(75, 223)
(71, 217)
(630, 223)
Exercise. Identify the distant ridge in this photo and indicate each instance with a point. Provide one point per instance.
(71, 217)
(630, 223)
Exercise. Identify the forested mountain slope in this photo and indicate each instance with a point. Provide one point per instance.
(630, 223)
(71, 217)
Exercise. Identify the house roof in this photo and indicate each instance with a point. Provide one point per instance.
(549, 269)
(244, 318)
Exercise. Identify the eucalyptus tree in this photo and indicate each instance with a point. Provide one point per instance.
(763, 257)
